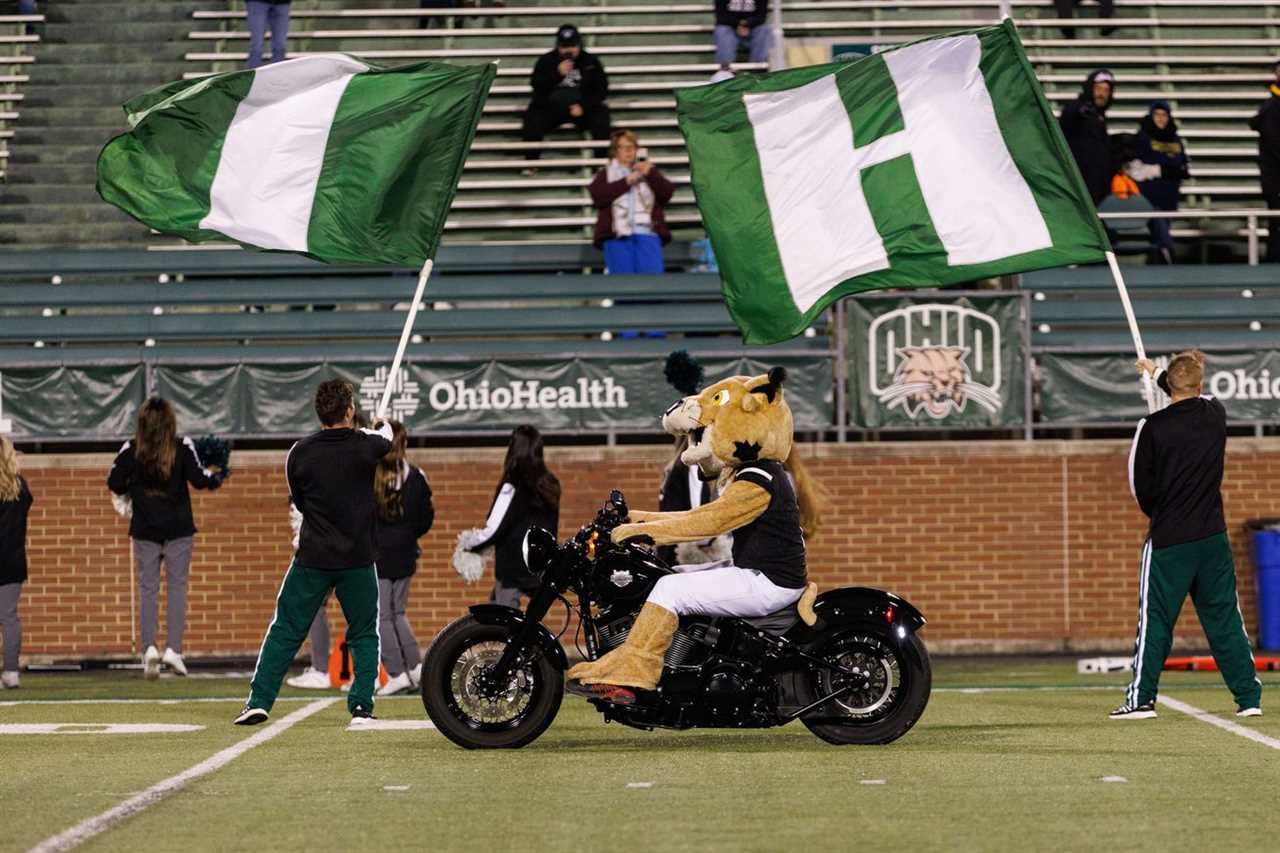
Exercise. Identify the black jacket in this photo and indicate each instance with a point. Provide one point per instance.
(1175, 469)
(1267, 123)
(1085, 127)
(13, 535)
(330, 476)
(1165, 149)
(730, 13)
(513, 512)
(396, 540)
(586, 84)
(161, 512)
(676, 497)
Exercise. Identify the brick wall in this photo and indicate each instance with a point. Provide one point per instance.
(1003, 545)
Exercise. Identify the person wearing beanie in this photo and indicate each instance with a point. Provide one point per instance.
(1084, 124)
(1267, 123)
(569, 86)
(1160, 166)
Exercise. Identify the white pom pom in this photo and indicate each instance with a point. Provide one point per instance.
(467, 564)
(123, 504)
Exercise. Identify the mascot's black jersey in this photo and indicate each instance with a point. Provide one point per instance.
(772, 544)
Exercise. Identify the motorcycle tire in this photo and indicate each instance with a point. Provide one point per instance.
(474, 721)
(915, 685)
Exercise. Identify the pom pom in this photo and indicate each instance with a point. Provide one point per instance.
(215, 452)
(467, 563)
(683, 372)
(123, 504)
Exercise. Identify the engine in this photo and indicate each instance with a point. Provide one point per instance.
(688, 639)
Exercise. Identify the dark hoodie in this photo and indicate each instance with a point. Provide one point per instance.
(1085, 127)
(1165, 149)
(1267, 123)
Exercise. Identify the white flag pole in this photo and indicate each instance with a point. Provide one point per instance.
(1133, 327)
(404, 339)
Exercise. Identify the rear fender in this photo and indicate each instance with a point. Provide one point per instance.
(852, 604)
(498, 614)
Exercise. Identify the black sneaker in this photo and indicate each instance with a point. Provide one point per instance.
(251, 717)
(1145, 711)
(361, 716)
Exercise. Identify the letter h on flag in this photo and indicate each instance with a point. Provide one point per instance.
(933, 163)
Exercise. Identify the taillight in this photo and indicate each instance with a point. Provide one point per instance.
(888, 614)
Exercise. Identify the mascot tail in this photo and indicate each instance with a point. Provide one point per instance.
(810, 493)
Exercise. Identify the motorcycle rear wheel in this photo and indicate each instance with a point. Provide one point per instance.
(896, 695)
(458, 706)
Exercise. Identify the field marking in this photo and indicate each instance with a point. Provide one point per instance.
(95, 728)
(87, 829)
(192, 700)
(639, 784)
(1113, 779)
(389, 725)
(396, 788)
(1226, 725)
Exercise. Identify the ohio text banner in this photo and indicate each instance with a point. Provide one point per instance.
(325, 155)
(933, 163)
(272, 399)
(936, 363)
(1078, 388)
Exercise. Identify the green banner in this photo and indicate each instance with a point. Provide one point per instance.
(931, 362)
(267, 399)
(1105, 388)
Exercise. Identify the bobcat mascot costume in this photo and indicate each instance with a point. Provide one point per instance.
(740, 429)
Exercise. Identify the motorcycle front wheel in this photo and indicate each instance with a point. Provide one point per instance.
(479, 716)
(891, 693)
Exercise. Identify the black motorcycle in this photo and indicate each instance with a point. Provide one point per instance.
(495, 678)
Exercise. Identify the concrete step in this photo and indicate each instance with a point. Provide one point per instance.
(26, 134)
(61, 173)
(84, 11)
(113, 32)
(101, 235)
(103, 54)
(130, 73)
(103, 115)
(54, 214)
(77, 94)
(30, 194)
(54, 154)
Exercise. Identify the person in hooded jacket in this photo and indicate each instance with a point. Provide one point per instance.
(1084, 124)
(1267, 123)
(528, 495)
(1158, 145)
(404, 515)
(1067, 9)
(569, 85)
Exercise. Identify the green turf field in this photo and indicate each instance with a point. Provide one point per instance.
(1018, 768)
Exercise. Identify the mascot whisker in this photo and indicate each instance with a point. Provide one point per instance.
(740, 431)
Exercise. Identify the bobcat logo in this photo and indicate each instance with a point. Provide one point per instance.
(934, 358)
(935, 379)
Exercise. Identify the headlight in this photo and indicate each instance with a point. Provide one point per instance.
(537, 548)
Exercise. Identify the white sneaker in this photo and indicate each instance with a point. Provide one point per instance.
(151, 663)
(174, 661)
(415, 675)
(395, 685)
(311, 679)
(9, 679)
(1255, 711)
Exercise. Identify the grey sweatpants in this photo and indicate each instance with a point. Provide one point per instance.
(319, 637)
(176, 554)
(10, 625)
(400, 650)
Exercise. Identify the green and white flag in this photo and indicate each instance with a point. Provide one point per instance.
(932, 163)
(323, 155)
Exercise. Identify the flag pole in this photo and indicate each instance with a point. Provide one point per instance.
(1133, 327)
(404, 338)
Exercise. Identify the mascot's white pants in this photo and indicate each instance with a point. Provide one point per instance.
(721, 589)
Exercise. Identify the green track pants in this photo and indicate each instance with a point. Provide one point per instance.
(301, 596)
(1206, 570)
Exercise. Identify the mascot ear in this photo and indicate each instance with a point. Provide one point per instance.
(777, 376)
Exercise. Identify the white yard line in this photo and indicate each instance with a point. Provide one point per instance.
(96, 728)
(86, 829)
(1226, 725)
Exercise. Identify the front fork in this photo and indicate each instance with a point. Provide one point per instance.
(526, 637)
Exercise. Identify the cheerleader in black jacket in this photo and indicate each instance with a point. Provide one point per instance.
(528, 495)
(154, 470)
(404, 515)
(15, 505)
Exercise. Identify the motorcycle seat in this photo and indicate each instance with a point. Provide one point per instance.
(777, 622)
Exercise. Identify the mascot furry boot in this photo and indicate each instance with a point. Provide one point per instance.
(741, 429)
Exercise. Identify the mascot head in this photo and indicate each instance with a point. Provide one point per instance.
(736, 420)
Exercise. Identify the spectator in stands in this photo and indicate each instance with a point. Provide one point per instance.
(403, 498)
(569, 85)
(15, 506)
(1084, 124)
(1161, 167)
(154, 470)
(528, 495)
(28, 7)
(1067, 9)
(740, 23)
(262, 13)
(1267, 123)
(427, 22)
(629, 195)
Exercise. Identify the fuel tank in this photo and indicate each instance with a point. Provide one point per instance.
(622, 579)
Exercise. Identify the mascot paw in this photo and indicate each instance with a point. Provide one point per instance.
(640, 515)
(623, 532)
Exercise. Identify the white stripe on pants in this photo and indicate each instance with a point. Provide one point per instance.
(724, 591)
